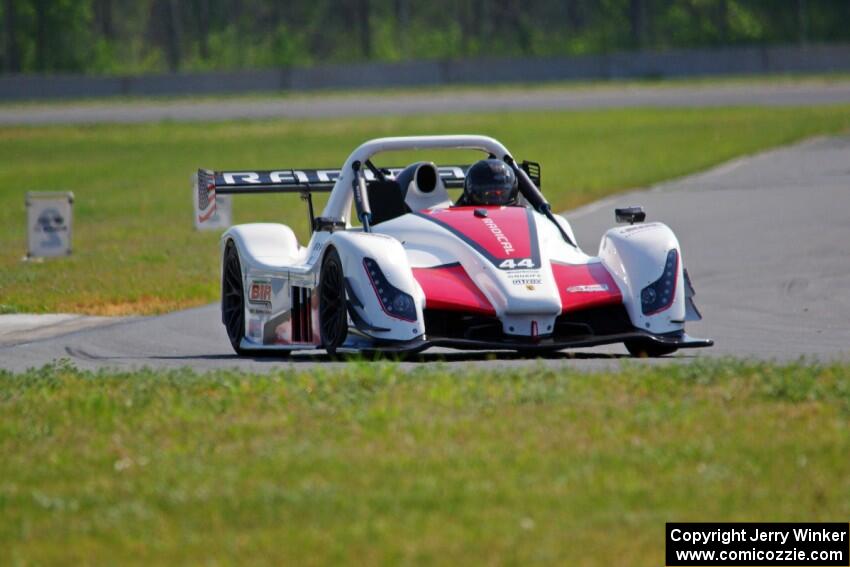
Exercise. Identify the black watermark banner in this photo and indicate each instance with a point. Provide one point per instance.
(758, 544)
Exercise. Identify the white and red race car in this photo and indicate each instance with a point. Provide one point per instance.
(411, 270)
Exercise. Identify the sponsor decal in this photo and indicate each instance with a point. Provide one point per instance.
(288, 177)
(630, 230)
(526, 277)
(236, 177)
(582, 286)
(507, 237)
(312, 176)
(260, 295)
(261, 291)
(592, 288)
(503, 240)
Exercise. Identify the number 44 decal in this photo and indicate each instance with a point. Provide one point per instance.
(511, 264)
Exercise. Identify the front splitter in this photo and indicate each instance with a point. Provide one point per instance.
(546, 344)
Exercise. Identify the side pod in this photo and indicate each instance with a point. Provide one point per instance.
(275, 316)
(264, 245)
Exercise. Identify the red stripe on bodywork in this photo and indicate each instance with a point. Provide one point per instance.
(503, 233)
(450, 288)
(573, 276)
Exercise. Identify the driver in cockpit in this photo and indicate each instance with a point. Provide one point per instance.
(489, 182)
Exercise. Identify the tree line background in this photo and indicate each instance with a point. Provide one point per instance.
(137, 36)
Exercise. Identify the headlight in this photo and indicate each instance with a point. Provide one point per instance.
(659, 295)
(394, 302)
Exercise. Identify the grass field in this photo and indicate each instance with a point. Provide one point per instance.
(371, 466)
(136, 251)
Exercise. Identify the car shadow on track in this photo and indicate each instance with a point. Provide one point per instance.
(422, 358)
(419, 358)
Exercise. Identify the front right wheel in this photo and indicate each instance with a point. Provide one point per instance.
(641, 348)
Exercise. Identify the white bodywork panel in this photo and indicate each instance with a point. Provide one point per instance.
(419, 200)
(635, 256)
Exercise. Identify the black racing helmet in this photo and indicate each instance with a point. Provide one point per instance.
(490, 182)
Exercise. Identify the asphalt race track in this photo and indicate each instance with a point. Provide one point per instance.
(766, 240)
(440, 101)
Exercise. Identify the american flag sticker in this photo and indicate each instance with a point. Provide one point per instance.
(205, 188)
(211, 212)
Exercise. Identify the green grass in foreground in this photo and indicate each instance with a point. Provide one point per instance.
(369, 465)
(136, 252)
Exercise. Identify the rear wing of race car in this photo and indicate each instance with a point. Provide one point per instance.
(304, 182)
(208, 184)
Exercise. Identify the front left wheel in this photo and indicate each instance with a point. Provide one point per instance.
(648, 349)
(333, 316)
(233, 306)
(233, 298)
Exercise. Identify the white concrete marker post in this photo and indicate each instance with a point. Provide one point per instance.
(222, 210)
(49, 223)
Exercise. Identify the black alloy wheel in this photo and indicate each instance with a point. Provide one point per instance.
(233, 306)
(333, 317)
(233, 298)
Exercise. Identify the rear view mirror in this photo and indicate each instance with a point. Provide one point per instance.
(630, 215)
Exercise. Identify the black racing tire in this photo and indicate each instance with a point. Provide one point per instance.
(333, 315)
(233, 306)
(640, 348)
(233, 298)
